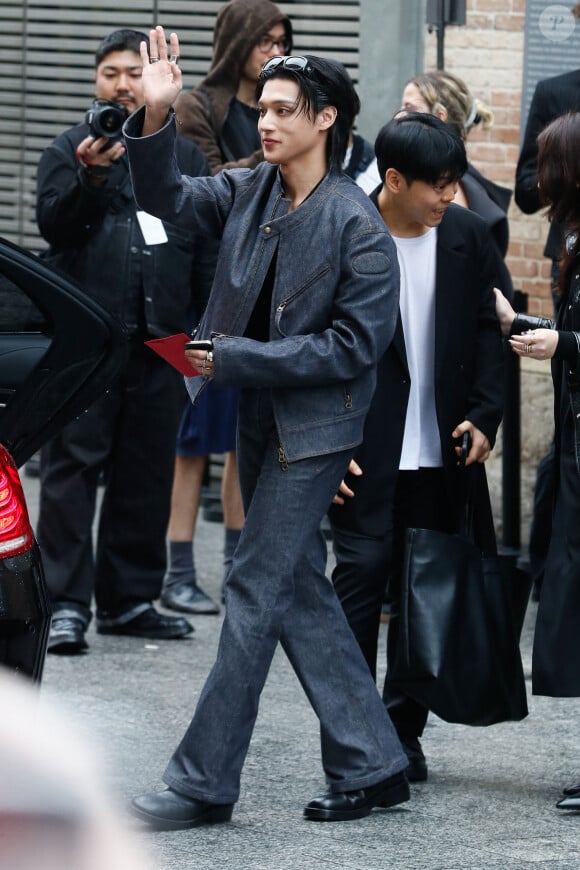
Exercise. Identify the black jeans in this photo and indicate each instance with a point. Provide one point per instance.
(366, 567)
(128, 435)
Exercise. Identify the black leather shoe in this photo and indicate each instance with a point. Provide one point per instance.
(343, 806)
(571, 790)
(149, 624)
(188, 598)
(67, 636)
(569, 803)
(417, 771)
(171, 811)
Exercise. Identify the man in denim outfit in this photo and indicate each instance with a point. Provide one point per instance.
(303, 304)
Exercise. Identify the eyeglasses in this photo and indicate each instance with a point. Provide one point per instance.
(266, 43)
(291, 62)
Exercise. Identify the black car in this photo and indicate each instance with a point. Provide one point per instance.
(59, 350)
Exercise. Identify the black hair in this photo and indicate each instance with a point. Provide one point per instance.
(120, 40)
(421, 147)
(558, 183)
(323, 83)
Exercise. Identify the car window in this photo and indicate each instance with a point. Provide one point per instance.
(18, 313)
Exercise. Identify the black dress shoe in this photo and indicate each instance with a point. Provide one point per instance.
(67, 636)
(417, 770)
(171, 811)
(569, 803)
(343, 806)
(571, 790)
(149, 623)
(188, 598)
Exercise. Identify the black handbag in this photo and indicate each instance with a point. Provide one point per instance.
(455, 629)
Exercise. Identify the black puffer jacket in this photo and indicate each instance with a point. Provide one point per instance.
(95, 238)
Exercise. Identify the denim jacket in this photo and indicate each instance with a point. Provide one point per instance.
(335, 291)
(523, 322)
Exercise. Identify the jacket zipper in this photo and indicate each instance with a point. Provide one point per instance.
(282, 458)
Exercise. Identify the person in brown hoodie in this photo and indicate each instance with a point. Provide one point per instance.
(221, 114)
(221, 117)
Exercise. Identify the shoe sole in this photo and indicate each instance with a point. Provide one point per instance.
(67, 648)
(120, 632)
(210, 610)
(390, 797)
(561, 805)
(215, 815)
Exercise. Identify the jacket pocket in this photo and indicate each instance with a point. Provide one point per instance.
(308, 313)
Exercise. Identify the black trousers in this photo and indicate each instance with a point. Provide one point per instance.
(368, 567)
(128, 436)
(541, 526)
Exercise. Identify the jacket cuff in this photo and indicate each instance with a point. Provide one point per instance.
(523, 322)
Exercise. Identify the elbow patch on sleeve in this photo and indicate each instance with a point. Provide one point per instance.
(371, 263)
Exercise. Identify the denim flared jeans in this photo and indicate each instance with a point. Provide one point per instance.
(277, 592)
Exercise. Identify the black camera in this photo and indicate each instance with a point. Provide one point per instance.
(106, 118)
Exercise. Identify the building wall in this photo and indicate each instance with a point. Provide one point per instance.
(488, 53)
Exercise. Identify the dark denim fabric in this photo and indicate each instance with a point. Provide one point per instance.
(277, 591)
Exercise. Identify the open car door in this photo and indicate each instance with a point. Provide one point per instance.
(59, 350)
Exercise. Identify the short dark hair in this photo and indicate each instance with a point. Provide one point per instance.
(323, 83)
(421, 147)
(120, 40)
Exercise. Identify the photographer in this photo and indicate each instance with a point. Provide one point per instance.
(145, 271)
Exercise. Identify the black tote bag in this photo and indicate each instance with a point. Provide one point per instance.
(455, 630)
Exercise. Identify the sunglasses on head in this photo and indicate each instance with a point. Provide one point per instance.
(291, 62)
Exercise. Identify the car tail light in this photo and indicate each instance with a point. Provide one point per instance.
(16, 534)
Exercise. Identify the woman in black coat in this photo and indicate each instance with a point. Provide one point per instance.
(556, 663)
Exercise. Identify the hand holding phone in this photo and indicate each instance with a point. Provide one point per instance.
(465, 448)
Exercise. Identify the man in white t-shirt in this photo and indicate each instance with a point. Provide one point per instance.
(440, 378)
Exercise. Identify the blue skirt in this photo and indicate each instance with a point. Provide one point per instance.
(210, 425)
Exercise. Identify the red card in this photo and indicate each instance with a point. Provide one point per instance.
(171, 348)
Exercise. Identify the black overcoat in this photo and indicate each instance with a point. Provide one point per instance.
(468, 382)
(555, 660)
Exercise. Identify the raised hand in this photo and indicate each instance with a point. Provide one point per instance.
(162, 80)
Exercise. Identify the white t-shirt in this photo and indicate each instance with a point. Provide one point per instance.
(370, 178)
(417, 262)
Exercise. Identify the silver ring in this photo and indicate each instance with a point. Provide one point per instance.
(527, 348)
(174, 58)
(153, 59)
(209, 356)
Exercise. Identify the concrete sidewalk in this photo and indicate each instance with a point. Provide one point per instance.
(488, 803)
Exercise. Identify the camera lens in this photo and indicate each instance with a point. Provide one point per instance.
(109, 122)
(106, 118)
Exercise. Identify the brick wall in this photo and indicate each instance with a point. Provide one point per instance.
(488, 54)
